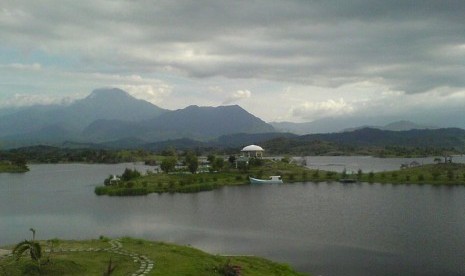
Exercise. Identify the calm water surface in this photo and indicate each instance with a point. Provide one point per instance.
(367, 163)
(324, 229)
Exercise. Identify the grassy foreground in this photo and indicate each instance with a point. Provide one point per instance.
(168, 259)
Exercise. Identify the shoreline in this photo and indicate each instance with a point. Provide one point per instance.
(442, 174)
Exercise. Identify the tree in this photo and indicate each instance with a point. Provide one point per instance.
(33, 233)
(110, 268)
(344, 173)
(371, 175)
(19, 160)
(168, 164)
(192, 161)
(129, 174)
(232, 159)
(170, 151)
(211, 158)
(450, 174)
(218, 164)
(32, 247)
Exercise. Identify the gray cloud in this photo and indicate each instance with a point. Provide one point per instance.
(412, 46)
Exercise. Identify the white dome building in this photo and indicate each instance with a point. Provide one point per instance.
(253, 151)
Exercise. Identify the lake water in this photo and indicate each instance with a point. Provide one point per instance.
(367, 163)
(323, 229)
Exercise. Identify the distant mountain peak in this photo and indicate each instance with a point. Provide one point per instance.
(406, 125)
(108, 92)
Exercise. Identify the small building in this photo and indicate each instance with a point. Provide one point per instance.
(253, 151)
(114, 180)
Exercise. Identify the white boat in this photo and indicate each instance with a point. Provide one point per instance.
(276, 179)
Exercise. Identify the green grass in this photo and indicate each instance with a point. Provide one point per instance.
(169, 259)
(182, 182)
(11, 168)
(436, 174)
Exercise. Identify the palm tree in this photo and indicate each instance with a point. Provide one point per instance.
(33, 233)
(33, 247)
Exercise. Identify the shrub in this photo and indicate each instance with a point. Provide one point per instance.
(371, 175)
(316, 174)
(291, 176)
(450, 174)
(228, 269)
(344, 173)
(168, 164)
(260, 174)
(129, 174)
(100, 190)
(435, 175)
(304, 175)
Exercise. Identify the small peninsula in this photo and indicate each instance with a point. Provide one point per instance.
(12, 167)
(189, 179)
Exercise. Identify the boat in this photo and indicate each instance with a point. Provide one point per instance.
(275, 179)
(347, 180)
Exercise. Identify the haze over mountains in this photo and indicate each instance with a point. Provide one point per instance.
(113, 117)
(112, 114)
(329, 125)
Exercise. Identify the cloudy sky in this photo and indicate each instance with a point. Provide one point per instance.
(280, 60)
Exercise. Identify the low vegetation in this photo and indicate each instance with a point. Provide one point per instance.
(435, 174)
(75, 258)
(223, 173)
(182, 180)
(13, 167)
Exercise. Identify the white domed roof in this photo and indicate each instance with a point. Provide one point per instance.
(253, 148)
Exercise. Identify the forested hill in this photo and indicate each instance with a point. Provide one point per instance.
(373, 141)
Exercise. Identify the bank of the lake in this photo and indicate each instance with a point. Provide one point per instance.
(8, 167)
(184, 182)
(135, 256)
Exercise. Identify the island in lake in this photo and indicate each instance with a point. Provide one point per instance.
(183, 174)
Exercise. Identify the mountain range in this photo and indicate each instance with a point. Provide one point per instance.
(329, 125)
(370, 141)
(112, 114)
(111, 118)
